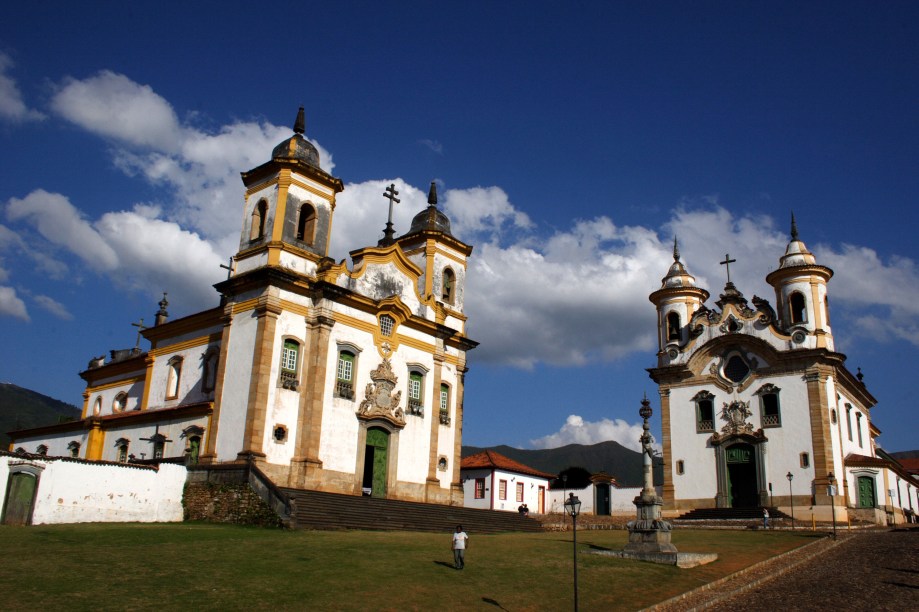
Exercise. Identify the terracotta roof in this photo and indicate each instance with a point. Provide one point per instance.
(910, 465)
(492, 460)
(865, 461)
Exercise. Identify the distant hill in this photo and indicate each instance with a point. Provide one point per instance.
(910, 454)
(21, 409)
(623, 464)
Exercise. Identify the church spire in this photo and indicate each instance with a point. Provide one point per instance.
(432, 194)
(300, 122)
(794, 227)
(676, 250)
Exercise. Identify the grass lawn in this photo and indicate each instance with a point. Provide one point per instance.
(220, 567)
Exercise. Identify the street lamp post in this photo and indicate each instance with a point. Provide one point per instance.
(791, 499)
(832, 491)
(573, 507)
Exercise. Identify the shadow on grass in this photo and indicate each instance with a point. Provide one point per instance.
(445, 564)
(595, 547)
(491, 601)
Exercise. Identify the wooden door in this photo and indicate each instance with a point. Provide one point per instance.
(20, 497)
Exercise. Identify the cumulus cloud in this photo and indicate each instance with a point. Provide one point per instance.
(11, 305)
(12, 106)
(54, 307)
(578, 431)
(483, 210)
(114, 106)
(59, 222)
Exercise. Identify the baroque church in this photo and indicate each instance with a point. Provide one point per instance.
(347, 379)
(758, 408)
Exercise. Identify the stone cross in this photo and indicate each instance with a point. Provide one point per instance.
(140, 328)
(727, 263)
(390, 194)
(230, 268)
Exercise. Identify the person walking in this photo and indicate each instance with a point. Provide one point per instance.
(765, 518)
(459, 547)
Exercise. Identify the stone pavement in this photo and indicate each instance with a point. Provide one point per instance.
(870, 570)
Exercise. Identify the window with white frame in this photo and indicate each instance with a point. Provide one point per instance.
(502, 489)
(173, 376)
(480, 488)
(415, 392)
(290, 361)
(519, 491)
(770, 414)
(344, 383)
(120, 402)
(444, 404)
(121, 450)
(386, 325)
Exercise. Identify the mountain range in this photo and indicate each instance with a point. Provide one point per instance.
(22, 408)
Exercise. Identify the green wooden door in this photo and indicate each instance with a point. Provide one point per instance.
(866, 497)
(379, 440)
(20, 494)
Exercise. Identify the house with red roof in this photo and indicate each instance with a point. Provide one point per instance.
(494, 482)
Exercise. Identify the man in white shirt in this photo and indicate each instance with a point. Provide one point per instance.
(459, 547)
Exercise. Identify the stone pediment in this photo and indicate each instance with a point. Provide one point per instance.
(379, 400)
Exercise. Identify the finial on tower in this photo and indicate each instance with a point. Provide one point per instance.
(676, 250)
(162, 315)
(794, 227)
(300, 123)
(432, 194)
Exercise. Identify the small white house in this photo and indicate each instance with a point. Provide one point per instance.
(494, 482)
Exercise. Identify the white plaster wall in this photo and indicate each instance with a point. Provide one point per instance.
(284, 404)
(134, 390)
(297, 263)
(468, 479)
(459, 270)
(251, 262)
(77, 492)
(56, 443)
(235, 397)
(173, 429)
(531, 486)
(783, 448)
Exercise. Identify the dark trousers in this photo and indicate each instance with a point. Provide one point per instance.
(459, 558)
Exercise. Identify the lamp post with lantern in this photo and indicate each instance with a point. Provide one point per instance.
(791, 499)
(573, 508)
(831, 490)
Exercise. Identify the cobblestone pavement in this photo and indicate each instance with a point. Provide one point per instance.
(873, 570)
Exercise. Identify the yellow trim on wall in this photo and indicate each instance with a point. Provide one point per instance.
(187, 344)
(328, 196)
(118, 383)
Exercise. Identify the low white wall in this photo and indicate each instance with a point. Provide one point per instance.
(86, 492)
(622, 500)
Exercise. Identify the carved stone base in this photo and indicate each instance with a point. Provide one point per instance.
(649, 541)
(649, 533)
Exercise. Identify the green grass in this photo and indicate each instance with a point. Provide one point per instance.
(219, 567)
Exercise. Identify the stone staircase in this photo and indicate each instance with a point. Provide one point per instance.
(319, 510)
(730, 514)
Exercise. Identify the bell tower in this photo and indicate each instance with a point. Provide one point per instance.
(290, 200)
(677, 300)
(801, 295)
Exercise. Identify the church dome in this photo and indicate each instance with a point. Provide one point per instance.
(796, 253)
(431, 219)
(677, 276)
(297, 147)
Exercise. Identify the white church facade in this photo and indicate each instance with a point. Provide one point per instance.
(758, 409)
(328, 376)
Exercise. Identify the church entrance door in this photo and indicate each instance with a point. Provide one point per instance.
(741, 464)
(866, 497)
(603, 508)
(376, 455)
(20, 496)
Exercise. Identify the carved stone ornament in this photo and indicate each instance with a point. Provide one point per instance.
(736, 414)
(379, 400)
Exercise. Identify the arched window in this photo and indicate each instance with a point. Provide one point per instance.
(290, 360)
(415, 391)
(344, 384)
(257, 225)
(173, 375)
(209, 373)
(449, 286)
(798, 306)
(306, 224)
(41, 450)
(74, 449)
(673, 326)
(770, 413)
(121, 449)
(705, 411)
(120, 402)
(444, 404)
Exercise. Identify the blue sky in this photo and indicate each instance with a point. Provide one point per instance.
(570, 142)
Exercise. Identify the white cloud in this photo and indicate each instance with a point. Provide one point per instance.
(59, 222)
(54, 307)
(12, 106)
(11, 305)
(433, 145)
(114, 106)
(482, 210)
(578, 431)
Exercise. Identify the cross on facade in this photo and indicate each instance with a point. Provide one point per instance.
(390, 194)
(140, 328)
(727, 263)
(230, 268)
(157, 439)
